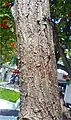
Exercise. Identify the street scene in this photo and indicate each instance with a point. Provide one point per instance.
(9, 92)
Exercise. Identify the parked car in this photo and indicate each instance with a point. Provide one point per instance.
(61, 76)
(65, 90)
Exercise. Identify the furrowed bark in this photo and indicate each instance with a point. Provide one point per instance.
(39, 86)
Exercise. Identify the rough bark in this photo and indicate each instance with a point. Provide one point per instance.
(39, 87)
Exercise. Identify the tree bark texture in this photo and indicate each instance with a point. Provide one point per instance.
(39, 87)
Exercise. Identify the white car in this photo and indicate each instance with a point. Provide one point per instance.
(60, 76)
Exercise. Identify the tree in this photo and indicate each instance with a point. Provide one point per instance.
(39, 88)
(7, 32)
(61, 19)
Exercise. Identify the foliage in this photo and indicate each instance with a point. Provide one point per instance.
(61, 18)
(7, 33)
(61, 9)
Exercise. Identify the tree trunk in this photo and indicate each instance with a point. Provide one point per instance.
(39, 86)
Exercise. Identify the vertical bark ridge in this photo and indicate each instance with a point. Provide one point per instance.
(39, 92)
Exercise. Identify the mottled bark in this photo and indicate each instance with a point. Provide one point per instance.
(39, 87)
